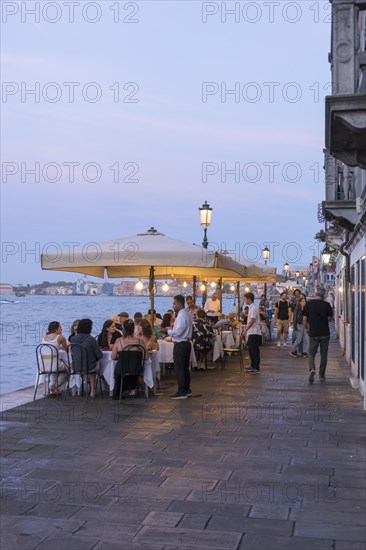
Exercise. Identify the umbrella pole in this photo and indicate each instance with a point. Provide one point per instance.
(151, 291)
(220, 293)
(238, 293)
(194, 288)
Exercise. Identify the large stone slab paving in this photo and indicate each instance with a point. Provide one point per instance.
(252, 462)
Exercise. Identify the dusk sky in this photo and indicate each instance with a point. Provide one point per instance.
(151, 99)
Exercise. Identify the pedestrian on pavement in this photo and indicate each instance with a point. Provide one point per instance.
(254, 333)
(282, 317)
(317, 314)
(301, 343)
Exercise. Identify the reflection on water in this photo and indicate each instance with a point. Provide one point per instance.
(24, 323)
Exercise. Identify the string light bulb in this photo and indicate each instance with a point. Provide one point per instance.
(165, 287)
(139, 285)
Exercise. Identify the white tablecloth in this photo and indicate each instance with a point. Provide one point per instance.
(218, 348)
(228, 339)
(106, 369)
(165, 353)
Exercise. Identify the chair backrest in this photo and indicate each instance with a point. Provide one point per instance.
(79, 356)
(47, 358)
(130, 360)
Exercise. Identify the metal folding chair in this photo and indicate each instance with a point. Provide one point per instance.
(236, 351)
(49, 363)
(79, 359)
(130, 362)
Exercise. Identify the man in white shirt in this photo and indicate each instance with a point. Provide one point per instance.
(253, 331)
(181, 335)
(192, 308)
(212, 308)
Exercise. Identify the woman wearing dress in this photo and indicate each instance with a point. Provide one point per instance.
(93, 353)
(109, 335)
(54, 337)
(121, 343)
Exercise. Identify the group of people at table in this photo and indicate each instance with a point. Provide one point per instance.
(184, 325)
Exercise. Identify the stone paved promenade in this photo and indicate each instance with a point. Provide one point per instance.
(250, 462)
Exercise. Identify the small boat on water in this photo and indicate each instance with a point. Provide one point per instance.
(9, 301)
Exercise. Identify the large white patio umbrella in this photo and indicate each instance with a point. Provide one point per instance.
(150, 255)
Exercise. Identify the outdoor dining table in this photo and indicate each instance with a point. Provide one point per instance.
(107, 366)
(165, 353)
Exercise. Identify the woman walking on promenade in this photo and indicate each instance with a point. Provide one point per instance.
(301, 334)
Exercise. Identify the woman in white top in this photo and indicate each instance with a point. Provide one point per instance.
(55, 338)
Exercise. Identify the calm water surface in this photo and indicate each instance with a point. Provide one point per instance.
(24, 324)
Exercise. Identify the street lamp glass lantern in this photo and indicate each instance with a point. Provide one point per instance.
(326, 255)
(286, 267)
(297, 274)
(205, 215)
(265, 254)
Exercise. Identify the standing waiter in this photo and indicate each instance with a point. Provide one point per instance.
(181, 335)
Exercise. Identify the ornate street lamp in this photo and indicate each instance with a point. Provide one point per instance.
(326, 255)
(205, 219)
(297, 275)
(265, 256)
(286, 268)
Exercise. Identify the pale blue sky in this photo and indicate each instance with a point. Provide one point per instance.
(169, 133)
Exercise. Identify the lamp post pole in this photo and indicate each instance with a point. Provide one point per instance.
(265, 256)
(205, 219)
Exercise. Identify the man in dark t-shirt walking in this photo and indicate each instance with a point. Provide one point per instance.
(317, 314)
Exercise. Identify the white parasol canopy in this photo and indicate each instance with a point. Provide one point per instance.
(135, 256)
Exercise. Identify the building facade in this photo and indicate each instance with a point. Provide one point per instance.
(344, 208)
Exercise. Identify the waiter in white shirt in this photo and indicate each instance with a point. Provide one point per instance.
(254, 333)
(181, 335)
(212, 308)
